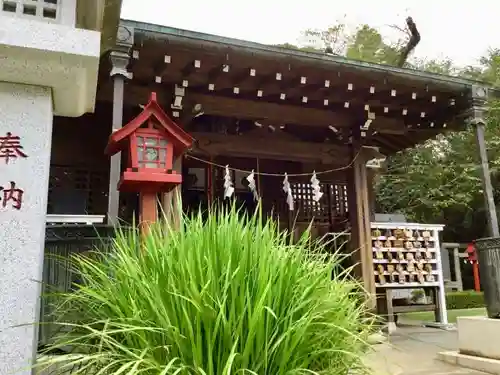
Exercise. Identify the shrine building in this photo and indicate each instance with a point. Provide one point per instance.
(254, 107)
(251, 107)
(304, 132)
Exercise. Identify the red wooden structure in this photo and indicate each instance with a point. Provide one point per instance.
(154, 141)
(472, 259)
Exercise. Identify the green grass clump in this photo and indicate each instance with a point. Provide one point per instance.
(223, 295)
(466, 299)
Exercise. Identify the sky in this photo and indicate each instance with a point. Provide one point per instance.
(461, 30)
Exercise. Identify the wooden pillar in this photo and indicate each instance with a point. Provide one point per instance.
(119, 60)
(360, 218)
(258, 181)
(210, 183)
(391, 318)
(172, 201)
(372, 175)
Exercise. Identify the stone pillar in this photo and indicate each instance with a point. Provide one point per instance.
(479, 96)
(25, 140)
(120, 58)
(488, 249)
(458, 270)
(445, 262)
(58, 68)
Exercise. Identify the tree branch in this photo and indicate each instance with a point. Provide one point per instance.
(412, 43)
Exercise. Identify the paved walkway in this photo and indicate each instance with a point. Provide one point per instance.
(412, 350)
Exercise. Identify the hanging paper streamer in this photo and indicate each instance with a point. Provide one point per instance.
(228, 184)
(252, 186)
(288, 191)
(317, 194)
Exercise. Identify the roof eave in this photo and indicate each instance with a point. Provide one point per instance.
(180, 35)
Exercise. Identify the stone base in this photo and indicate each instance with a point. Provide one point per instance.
(391, 328)
(446, 327)
(377, 338)
(488, 365)
(478, 336)
(478, 347)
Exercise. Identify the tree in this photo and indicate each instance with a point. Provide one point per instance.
(444, 66)
(334, 37)
(438, 181)
(365, 43)
(368, 45)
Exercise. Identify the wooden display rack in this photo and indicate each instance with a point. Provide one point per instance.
(408, 256)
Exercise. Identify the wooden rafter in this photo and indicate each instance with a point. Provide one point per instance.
(255, 110)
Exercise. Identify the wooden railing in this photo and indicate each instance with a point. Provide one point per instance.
(61, 242)
(458, 253)
(74, 219)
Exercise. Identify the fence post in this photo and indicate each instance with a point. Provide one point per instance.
(458, 270)
(445, 262)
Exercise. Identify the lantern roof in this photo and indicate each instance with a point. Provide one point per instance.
(180, 139)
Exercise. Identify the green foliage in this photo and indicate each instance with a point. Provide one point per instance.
(368, 45)
(221, 296)
(287, 45)
(431, 178)
(445, 66)
(334, 37)
(438, 181)
(293, 46)
(491, 67)
(468, 299)
(416, 295)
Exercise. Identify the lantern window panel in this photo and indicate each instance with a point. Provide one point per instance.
(152, 152)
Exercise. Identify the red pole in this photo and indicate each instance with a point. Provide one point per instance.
(472, 259)
(477, 283)
(148, 206)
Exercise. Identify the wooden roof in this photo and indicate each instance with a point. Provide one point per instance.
(296, 92)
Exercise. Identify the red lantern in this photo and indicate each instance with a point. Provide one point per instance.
(153, 142)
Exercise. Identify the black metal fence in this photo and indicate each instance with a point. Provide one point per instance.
(61, 242)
